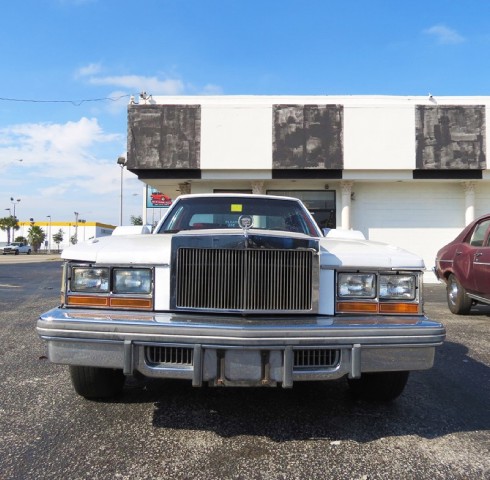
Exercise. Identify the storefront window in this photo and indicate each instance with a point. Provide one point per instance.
(320, 203)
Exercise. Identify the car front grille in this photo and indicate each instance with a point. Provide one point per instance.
(247, 280)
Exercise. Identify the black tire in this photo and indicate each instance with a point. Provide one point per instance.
(16, 252)
(93, 382)
(457, 299)
(379, 386)
(28, 252)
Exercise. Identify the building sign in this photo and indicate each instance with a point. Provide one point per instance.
(156, 199)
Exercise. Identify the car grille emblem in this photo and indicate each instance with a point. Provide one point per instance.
(245, 222)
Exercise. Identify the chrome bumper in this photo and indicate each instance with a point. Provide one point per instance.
(230, 350)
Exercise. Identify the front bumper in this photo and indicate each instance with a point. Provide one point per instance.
(231, 350)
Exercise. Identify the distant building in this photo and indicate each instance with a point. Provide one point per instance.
(82, 231)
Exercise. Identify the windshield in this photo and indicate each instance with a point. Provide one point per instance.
(224, 212)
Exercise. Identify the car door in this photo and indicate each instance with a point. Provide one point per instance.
(464, 254)
(480, 269)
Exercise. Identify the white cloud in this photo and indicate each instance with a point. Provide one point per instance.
(136, 84)
(50, 139)
(61, 172)
(88, 70)
(445, 35)
(211, 89)
(140, 83)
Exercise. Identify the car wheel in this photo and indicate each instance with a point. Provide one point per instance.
(94, 382)
(379, 386)
(28, 252)
(457, 299)
(17, 252)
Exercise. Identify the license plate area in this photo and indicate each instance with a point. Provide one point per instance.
(248, 367)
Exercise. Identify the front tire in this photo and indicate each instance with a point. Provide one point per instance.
(457, 299)
(97, 383)
(379, 386)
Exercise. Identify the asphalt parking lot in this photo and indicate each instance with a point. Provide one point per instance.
(438, 429)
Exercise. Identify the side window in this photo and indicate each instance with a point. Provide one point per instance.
(478, 235)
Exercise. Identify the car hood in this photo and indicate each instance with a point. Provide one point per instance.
(122, 249)
(366, 254)
(156, 249)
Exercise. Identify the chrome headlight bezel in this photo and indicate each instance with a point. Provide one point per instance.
(397, 292)
(109, 280)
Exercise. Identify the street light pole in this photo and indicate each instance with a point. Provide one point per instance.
(121, 161)
(13, 203)
(76, 227)
(49, 234)
(8, 228)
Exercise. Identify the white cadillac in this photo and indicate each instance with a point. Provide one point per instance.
(240, 290)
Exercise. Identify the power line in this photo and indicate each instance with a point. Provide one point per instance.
(76, 103)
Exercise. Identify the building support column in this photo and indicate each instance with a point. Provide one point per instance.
(469, 197)
(185, 188)
(346, 205)
(258, 188)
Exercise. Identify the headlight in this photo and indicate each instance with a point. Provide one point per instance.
(89, 280)
(397, 287)
(132, 280)
(357, 285)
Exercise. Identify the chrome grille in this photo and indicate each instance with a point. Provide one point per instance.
(316, 358)
(244, 280)
(158, 355)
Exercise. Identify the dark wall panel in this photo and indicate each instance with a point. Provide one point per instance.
(164, 136)
(308, 136)
(450, 137)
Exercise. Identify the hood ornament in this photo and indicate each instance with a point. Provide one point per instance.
(245, 222)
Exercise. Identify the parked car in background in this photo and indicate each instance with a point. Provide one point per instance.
(240, 290)
(464, 266)
(16, 247)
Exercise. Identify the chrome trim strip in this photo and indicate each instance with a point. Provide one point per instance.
(287, 380)
(237, 331)
(197, 372)
(128, 357)
(355, 361)
(478, 298)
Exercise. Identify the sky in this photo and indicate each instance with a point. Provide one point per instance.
(68, 68)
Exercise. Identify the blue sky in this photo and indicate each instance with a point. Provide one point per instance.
(68, 68)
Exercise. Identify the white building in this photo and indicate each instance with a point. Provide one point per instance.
(411, 171)
(80, 231)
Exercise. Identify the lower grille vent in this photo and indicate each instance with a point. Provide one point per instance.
(316, 358)
(179, 356)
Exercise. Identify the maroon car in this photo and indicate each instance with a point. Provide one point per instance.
(464, 265)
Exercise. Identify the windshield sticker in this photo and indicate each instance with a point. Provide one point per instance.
(236, 207)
